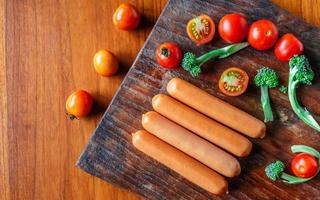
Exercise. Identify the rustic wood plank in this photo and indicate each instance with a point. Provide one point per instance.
(111, 156)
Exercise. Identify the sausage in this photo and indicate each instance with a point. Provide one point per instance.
(179, 162)
(201, 125)
(191, 144)
(216, 108)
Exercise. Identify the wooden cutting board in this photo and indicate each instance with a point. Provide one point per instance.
(111, 156)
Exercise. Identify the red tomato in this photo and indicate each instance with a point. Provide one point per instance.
(201, 29)
(169, 55)
(304, 165)
(233, 28)
(79, 104)
(263, 34)
(233, 82)
(288, 46)
(105, 63)
(126, 17)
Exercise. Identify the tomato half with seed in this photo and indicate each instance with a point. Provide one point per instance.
(169, 55)
(201, 29)
(304, 165)
(288, 46)
(263, 34)
(233, 28)
(79, 104)
(233, 82)
(126, 17)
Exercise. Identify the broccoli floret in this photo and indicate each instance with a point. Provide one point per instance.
(193, 64)
(300, 73)
(190, 64)
(274, 170)
(266, 78)
(283, 89)
(300, 70)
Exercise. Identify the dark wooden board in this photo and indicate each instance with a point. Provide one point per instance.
(111, 156)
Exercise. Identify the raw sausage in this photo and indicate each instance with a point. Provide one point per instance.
(179, 162)
(191, 144)
(216, 108)
(202, 125)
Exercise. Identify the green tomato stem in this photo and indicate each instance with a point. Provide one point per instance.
(301, 112)
(265, 104)
(222, 52)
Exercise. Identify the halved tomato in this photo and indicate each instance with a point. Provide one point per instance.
(233, 82)
(201, 29)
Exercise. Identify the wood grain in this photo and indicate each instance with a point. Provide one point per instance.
(4, 168)
(46, 53)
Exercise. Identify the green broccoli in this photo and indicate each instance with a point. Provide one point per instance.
(275, 170)
(283, 89)
(193, 64)
(300, 73)
(266, 78)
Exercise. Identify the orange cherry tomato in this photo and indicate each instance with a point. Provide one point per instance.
(233, 82)
(304, 165)
(126, 17)
(79, 104)
(201, 29)
(105, 63)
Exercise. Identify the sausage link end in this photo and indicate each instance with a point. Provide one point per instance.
(173, 85)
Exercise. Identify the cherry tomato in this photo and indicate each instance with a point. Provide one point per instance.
(233, 28)
(105, 63)
(263, 34)
(304, 165)
(169, 55)
(126, 17)
(288, 46)
(201, 29)
(233, 81)
(79, 104)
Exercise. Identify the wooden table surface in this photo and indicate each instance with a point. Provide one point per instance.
(45, 54)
